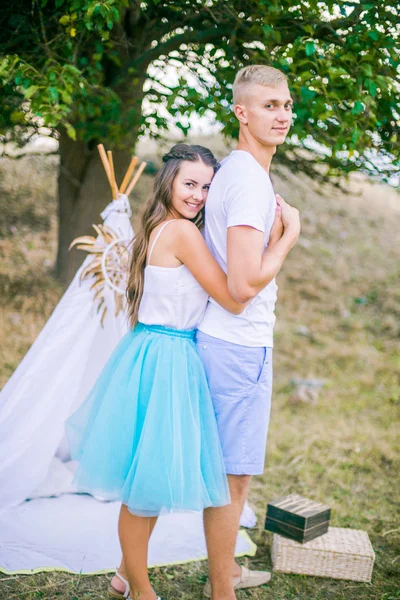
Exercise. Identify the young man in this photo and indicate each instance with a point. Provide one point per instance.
(243, 216)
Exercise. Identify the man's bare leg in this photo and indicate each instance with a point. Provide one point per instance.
(221, 526)
(115, 581)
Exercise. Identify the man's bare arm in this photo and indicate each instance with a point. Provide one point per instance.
(250, 268)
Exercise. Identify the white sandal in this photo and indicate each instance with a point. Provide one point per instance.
(113, 593)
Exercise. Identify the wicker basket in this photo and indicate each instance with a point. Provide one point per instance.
(340, 554)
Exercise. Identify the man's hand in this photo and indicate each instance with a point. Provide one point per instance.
(290, 219)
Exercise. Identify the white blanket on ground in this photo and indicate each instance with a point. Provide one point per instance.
(78, 533)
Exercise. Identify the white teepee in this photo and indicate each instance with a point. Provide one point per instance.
(62, 364)
(54, 378)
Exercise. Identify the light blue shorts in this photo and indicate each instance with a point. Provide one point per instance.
(240, 380)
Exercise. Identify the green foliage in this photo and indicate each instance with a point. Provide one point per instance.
(99, 68)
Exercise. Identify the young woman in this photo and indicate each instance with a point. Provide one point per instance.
(146, 435)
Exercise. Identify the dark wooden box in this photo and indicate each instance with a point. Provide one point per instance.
(297, 518)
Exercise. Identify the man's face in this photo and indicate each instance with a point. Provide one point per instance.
(266, 112)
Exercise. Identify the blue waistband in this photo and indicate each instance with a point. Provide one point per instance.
(183, 333)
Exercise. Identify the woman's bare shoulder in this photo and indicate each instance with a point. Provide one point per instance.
(184, 227)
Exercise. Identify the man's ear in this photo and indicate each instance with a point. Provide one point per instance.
(240, 113)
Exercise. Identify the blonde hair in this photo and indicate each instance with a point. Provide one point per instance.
(256, 74)
(156, 211)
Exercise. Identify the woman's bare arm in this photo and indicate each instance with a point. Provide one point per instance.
(193, 252)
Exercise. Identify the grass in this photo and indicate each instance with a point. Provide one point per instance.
(338, 319)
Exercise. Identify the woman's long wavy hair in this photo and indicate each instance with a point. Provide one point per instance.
(155, 212)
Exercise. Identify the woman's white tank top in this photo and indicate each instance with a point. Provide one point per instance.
(171, 295)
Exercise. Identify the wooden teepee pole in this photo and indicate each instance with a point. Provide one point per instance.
(128, 174)
(113, 182)
(105, 162)
(135, 179)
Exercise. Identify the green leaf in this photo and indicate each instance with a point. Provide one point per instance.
(367, 70)
(17, 117)
(268, 30)
(310, 48)
(30, 91)
(372, 86)
(53, 93)
(307, 93)
(71, 131)
(356, 134)
(308, 29)
(67, 98)
(65, 19)
(374, 35)
(358, 108)
(184, 128)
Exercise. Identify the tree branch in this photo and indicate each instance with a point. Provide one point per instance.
(22, 154)
(188, 37)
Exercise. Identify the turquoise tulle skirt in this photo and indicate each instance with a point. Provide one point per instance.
(146, 434)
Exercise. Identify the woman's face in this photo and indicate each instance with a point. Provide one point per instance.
(190, 189)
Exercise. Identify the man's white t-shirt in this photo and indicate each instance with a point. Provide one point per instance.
(241, 193)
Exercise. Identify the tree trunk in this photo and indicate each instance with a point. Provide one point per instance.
(83, 191)
(83, 188)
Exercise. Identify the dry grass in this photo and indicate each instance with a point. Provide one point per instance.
(338, 319)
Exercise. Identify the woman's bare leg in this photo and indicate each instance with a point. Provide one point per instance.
(134, 533)
(153, 521)
(116, 583)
